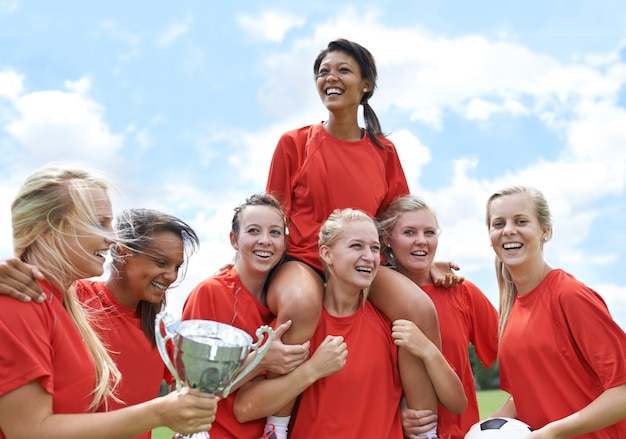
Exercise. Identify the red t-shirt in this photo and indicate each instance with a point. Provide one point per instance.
(362, 399)
(312, 173)
(465, 316)
(41, 343)
(223, 298)
(560, 350)
(137, 359)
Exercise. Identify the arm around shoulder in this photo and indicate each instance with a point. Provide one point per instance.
(263, 397)
(19, 280)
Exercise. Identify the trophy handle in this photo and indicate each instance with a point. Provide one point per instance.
(170, 330)
(261, 334)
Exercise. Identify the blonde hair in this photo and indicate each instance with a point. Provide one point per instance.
(508, 290)
(393, 212)
(333, 229)
(54, 202)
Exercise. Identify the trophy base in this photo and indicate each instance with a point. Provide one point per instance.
(201, 435)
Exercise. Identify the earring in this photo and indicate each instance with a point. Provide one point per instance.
(365, 90)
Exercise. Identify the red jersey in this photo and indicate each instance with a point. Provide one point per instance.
(41, 343)
(138, 360)
(312, 173)
(465, 316)
(560, 350)
(223, 298)
(362, 399)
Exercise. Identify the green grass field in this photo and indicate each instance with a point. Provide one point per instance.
(488, 402)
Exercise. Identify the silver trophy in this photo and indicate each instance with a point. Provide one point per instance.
(209, 355)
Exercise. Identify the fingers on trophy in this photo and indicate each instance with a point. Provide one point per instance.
(207, 355)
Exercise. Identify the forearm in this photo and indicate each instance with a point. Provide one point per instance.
(263, 397)
(607, 409)
(26, 413)
(446, 382)
(507, 410)
(124, 423)
(398, 298)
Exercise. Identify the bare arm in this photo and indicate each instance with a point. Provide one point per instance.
(19, 280)
(398, 297)
(263, 397)
(605, 410)
(280, 358)
(507, 410)
(283, 358)
(446, 382)
(27, 413)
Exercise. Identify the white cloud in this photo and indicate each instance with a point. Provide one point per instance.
(413, 154)
(56, 125)
(477, 78)
(80, 86)
(424, 77)
(174, 31)
(479, 109)
(11, 84)
(269, 25)
(598, 133)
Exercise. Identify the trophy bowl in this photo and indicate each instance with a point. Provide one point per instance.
(208, 355)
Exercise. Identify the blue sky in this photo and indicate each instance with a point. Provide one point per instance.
(181, 104)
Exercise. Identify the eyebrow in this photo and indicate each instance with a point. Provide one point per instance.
(277, 226)
(156, 255)
(340, 63)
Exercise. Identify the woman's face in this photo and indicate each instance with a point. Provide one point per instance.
(339, 82)
(261, 240)
(88, 251)
(149, 273)
(514, 230)
(354, 259)
(414, 241)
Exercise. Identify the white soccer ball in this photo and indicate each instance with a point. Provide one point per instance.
(498, 428)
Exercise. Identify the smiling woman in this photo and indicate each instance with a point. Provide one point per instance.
(58, 370)
(236, 295)
(562, 356)
(332, 165)
(148, 253)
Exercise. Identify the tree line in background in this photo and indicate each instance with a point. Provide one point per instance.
(485, 378)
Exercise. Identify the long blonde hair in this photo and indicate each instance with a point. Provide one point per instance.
(508, 290)
(53, 202)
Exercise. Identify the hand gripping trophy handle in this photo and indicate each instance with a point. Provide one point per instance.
(202, 335)
(264, 335)
(209, 355)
